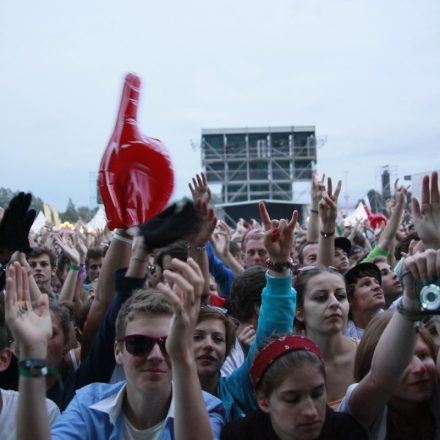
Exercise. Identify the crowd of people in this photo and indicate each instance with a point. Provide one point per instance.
(188, 328)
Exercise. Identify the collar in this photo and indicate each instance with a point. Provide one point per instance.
(112, 405)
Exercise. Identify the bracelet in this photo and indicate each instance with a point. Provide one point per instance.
(119, 237)
(279, 267)
(197, 248)
(75, 267)
(327, 234)
(414, 316)
(36, 367)
(138, 259)
(315, 211)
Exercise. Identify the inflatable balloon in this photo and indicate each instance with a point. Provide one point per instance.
(136, 178)
(375, 220)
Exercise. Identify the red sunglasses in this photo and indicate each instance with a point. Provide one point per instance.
(141, 345)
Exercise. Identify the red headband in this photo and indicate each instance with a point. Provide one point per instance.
(274, 350)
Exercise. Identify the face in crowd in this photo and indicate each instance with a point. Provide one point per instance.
(390, 282)
(367, 294)
(322, 301)
(94, 266)
(255, 254)
(42, 270)
(341, 262)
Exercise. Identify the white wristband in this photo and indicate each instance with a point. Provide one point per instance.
(119, 237)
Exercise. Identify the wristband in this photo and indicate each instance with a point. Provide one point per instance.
(138, 259)
(75, 267)
(327, 234)
(119, 237)
(414, 316)
(36, 367)
(279, 267)
(315, 211)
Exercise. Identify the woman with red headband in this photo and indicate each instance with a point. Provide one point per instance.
(288, 377)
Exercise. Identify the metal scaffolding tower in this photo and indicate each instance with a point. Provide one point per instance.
(258, 163)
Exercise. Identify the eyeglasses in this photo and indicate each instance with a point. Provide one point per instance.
(141, 345)
(317, 267)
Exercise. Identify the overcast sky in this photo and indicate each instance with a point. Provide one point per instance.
(365, 73)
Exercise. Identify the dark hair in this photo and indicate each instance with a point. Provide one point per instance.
(178, 250)
(364, 272)
(301, 250)
(37, 251)
(64, 315)
(246, 292)
(208, 312)
(284, 365)
(94, 253)
(62, 262)
(234, 248)
(403, 245)
(148, 301)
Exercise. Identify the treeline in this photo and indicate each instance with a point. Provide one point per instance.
(71, 214)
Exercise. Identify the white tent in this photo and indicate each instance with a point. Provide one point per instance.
(39, 222)
(358, 214)
(99, 220)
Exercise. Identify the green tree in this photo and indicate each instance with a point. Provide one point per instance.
(70, 214)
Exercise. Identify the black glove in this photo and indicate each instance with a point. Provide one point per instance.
(174, 223)
(16, 223)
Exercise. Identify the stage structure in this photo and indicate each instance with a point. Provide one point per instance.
(262, 163)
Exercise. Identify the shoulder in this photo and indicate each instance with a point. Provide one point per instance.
(342, 426)
(97, 391)
(211, 402)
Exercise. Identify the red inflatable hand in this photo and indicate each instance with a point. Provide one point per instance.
(136, 178)
(375, 220)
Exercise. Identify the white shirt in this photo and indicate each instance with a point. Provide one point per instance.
(8, 414)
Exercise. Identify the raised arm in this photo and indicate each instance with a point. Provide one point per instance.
(278, 302)
(191, 417)
(396, 345)
(328, 212)
(316, 192)
(117, 257)
(386, 239)
(201, 195)
(32, 329)
(427, 217)
(220, 241)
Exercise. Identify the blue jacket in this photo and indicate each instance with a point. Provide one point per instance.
(277, 311)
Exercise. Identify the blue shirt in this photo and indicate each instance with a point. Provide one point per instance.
(96, 413)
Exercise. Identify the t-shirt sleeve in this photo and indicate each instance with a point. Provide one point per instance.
(375, 252)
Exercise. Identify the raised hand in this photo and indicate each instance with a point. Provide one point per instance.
(420, 268)
(220, 239)
(184, 297)
(200, 189)
(68, 249)
(427, 217)
(278, 235)
(317, 190)
(327, 207)
(31, 328)
(246, 337)
(80, 246)
(207, 225)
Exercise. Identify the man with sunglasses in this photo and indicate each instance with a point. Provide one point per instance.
(161, 397)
